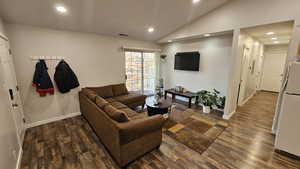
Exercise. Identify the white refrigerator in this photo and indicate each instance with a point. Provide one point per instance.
(288, 127)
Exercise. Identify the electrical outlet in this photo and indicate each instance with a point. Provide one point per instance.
(14, 153)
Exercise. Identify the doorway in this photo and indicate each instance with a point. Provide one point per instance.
(140, 72)
(272, 77)
(12, 89)
(263, 59)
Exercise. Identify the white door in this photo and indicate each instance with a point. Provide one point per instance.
(10, 83)
(9, 142)
(273, 71)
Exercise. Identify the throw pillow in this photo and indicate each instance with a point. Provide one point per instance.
(119, 89)
(104, 91)
(115, 114)
(101, 102)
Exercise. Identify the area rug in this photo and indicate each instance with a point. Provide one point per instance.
(196, 132)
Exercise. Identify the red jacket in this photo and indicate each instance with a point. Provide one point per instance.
(41, 79)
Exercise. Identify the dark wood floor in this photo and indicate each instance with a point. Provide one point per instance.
(246, 144)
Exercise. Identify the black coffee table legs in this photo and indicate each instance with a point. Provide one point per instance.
(190, 98)
(153, 111)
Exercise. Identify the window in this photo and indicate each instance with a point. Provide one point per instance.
(140, 72)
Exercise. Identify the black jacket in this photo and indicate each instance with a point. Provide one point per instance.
(41, 79)
(65, 78)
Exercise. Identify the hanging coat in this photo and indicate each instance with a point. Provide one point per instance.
(41, 79)
(64, 77)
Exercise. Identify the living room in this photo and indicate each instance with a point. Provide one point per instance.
(134, 51)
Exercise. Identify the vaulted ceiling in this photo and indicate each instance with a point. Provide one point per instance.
(110, 17)
(281, 33)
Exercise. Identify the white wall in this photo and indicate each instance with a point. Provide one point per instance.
(275, 56)
(97, 60)
(239, 14)
(9, 147)
(250, 76)
(214, 64)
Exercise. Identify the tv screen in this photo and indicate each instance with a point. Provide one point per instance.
(187, 61)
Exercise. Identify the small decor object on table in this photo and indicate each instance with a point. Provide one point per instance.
(209, 99)
(158, 95)
(179, 89)
(163, 107)
(163, 58)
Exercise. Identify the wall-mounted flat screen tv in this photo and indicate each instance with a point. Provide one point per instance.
(187, 61)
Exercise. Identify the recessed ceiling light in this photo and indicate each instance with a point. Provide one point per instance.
(276, 42)
(169, 41)
(270, 33)
(274, 38)
(151, 29)
(195, 1)
(61, 9)
(206, 35)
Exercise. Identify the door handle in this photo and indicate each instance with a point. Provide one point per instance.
(11, 94)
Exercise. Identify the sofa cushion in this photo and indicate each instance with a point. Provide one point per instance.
(101, 102)
(129, 112)
(119, 89)
(118, 105)
(133, 115)
(105, 91)
(89, 93)
(115, 114)
(110, 100)
(138, 116)
(130, 98)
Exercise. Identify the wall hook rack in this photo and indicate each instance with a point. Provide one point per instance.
(47, 57)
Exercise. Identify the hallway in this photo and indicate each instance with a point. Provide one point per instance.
(248, 142)
(258, 112)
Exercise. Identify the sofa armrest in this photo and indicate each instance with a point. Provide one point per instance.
(137, 128)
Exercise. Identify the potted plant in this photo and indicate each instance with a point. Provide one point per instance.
(207, 99)
(163, 57)
(221, 102)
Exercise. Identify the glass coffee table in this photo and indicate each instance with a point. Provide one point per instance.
(164, 107)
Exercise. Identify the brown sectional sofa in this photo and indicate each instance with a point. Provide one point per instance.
(125, 133)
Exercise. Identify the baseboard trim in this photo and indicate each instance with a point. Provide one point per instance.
(244, 102)
(269, 91)
(228, 116)
(38, 123)
(19, 160)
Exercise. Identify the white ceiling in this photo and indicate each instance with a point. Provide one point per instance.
(110, 17)
(283, 33)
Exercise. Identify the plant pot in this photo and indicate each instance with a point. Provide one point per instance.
(206, 109)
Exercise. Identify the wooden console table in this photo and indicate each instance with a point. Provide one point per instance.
(188, 95)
